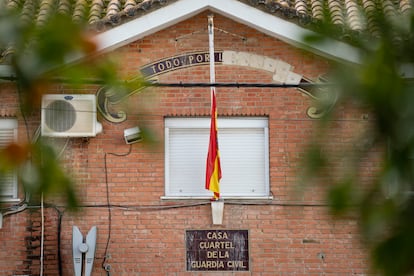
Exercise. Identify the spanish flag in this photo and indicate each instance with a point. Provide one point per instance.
(213, 168)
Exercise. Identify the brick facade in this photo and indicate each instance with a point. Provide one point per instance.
(287, 235)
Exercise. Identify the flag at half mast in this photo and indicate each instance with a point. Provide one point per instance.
(213, 169)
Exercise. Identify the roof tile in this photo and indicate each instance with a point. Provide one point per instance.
(405, 6)
(45, 10)
(28, 11)
(301, 7)
(113, 8)
(354, 15)
(336, 9)
(64, 7)
(97, 8)
(80, 10)
(317, 9)
(354, 21)
(342, 12)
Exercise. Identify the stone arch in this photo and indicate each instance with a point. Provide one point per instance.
(282, 72)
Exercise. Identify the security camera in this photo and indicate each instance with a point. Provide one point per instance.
(132, 135)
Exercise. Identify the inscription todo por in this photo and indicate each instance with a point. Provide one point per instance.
(176, 62)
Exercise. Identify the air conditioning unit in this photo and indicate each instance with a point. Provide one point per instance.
(69, 116)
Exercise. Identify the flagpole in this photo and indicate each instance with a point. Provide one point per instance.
(212, 91)
(211, 51)
(213, 168)
(217, 205)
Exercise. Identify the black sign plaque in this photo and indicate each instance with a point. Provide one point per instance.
(179, 62)
(217, 250)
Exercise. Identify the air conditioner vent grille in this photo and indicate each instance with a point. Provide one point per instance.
(60, 116)
(69, 116)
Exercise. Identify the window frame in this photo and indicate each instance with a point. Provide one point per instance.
(10, 124)
(223, 123)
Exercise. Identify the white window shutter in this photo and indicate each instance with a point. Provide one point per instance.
(8, 180)
(243, 146)
(188, 153)
(243, 157)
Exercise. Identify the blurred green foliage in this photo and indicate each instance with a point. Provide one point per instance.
(43, 53)
(385, 206)
(381, 85)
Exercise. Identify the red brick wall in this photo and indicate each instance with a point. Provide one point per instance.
(287, 235)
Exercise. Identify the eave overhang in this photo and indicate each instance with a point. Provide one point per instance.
(178, 11)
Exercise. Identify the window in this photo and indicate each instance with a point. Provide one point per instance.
(8, 179)
(243, 145)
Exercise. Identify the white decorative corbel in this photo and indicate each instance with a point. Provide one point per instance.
(217, 210)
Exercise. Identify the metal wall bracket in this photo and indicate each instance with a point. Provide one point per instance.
(81, 247)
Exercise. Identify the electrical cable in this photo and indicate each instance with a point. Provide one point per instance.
(14, 209)
(242, 115)
(42, 234)
(59, 231)
(59, 239)
(148, 207)
(235, 84)
(109, 202)
(255, 202)
(22, 111)
(63, 149)
(145, 83)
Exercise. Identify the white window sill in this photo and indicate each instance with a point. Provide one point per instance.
(269, 197)
(10, 200)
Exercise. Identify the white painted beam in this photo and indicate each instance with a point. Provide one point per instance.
(233, 9)
(148, 24)
(284, 30)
